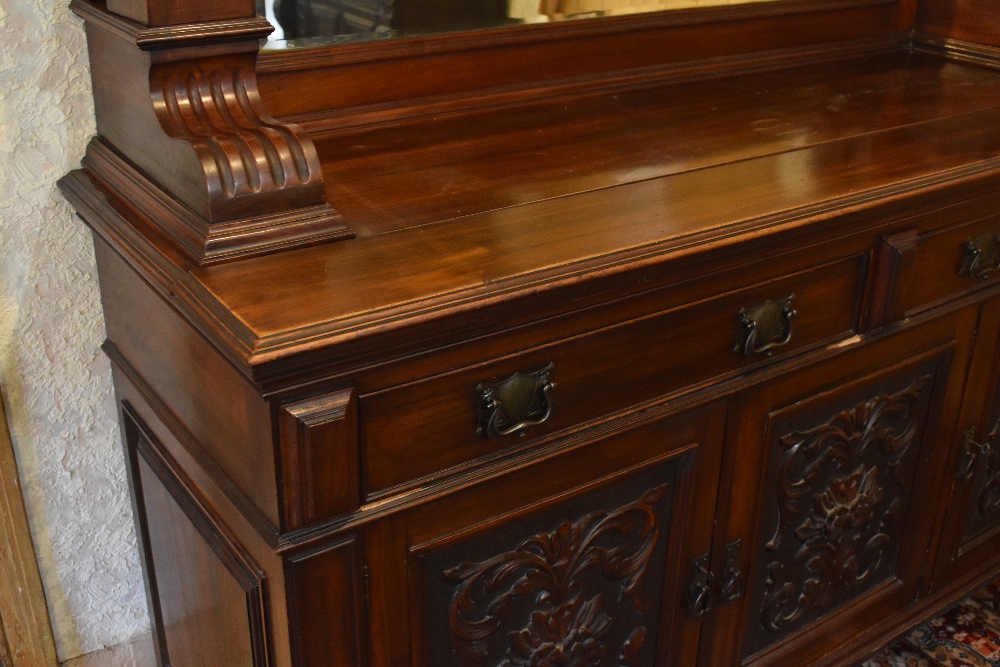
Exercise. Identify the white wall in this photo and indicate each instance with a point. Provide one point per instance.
(57, 380)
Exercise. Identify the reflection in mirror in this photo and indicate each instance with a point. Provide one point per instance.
(317, 22)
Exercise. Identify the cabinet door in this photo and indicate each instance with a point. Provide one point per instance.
(971, 530)
(831, 481)
(580, 557)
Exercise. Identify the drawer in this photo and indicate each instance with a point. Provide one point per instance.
(951, 261)
(413, 432)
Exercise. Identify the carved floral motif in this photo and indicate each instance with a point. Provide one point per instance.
(988, 502)
(569, 621)
(837, 496)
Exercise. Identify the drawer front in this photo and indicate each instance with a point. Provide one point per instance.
(952, 261)
(415, 431)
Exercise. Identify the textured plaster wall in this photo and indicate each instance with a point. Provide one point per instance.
(57, 381)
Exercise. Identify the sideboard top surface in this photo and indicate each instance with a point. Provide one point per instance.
(510, 201)
(445, 167)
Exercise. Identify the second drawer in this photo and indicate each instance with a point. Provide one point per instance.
(950, 261)
(416, 431)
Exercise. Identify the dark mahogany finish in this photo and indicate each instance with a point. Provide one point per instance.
(974, 21)
(668, 340)
(157, 13)
(972, 527)
(181, 124)
(835, 455)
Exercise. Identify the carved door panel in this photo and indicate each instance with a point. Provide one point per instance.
(971, 529)
(832, 474)
(580, 558)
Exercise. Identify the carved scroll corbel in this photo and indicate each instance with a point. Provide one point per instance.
(250, 162)
(184, 137)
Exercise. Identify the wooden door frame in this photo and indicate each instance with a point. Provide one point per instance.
(25, 631)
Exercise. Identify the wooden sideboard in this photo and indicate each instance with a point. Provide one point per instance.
(661, 340)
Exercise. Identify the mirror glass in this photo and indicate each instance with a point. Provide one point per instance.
(305, 23)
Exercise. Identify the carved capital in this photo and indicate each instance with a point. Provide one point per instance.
(250, 163)
(184, 128)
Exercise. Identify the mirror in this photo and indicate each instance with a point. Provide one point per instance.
(306, 23)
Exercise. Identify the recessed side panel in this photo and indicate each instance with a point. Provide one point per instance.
(208, 596)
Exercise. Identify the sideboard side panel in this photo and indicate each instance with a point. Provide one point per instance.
(203, 584)
(217, 406)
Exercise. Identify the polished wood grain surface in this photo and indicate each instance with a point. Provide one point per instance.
(668, 340)
(968, 20)
(450, 167)
(424, 426)
(154, 13)
(913, 122)
(239, 442)
(388, 78)
(942, 254)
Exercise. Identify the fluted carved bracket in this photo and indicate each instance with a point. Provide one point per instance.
(250, 162)
(182, 128)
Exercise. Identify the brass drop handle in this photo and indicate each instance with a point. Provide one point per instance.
(520, 401)
(971, 451)
(766, 327)
(982, 256)
(700, 590)
(732, 578)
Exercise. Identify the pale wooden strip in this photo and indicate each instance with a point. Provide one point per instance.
(4, 651)
(23, 614)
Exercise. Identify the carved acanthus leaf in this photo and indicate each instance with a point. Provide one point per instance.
(569, 622)
(837, 498)
(988, 501)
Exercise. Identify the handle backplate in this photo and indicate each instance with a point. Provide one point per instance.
(974, 451)
(700, 589)
(520, 401)
(766, 327)
(971, 451)
(732, 577)
(982, 256)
